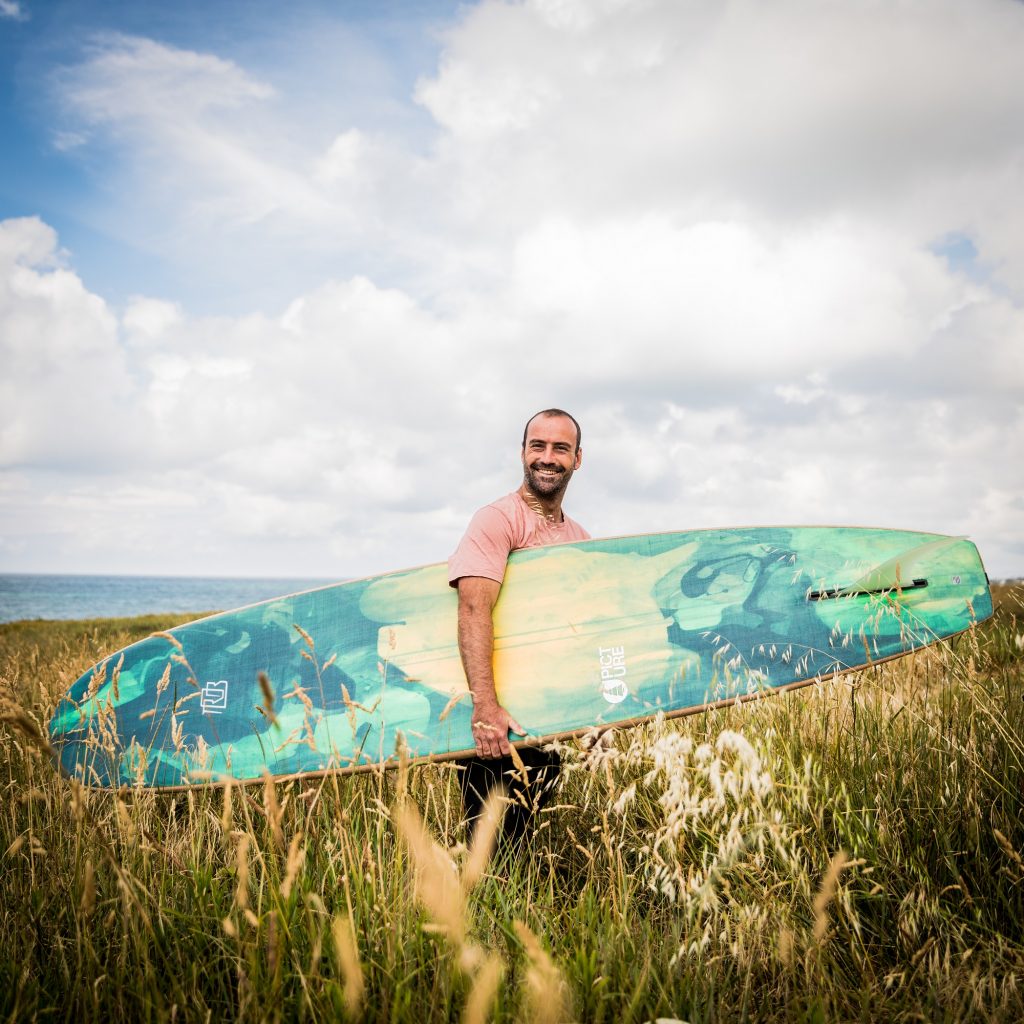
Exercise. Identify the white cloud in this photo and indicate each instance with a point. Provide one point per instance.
(14, 10)
(708, 229)
(730, 300)
(65, 391)
(345, 160)
(797, 114)
(360, 428)
(187, 126)
(713, 107)
(171, 87)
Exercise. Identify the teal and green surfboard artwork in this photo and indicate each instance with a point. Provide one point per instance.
(591, 634)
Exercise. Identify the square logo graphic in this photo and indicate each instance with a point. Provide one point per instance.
(214, 697)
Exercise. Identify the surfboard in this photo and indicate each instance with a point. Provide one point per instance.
(591, 634)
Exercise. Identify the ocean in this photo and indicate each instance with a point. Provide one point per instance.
(24, 596)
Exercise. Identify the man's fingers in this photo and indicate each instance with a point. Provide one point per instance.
(491, 737)
(489, 748)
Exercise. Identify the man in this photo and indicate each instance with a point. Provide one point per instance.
(528, 517)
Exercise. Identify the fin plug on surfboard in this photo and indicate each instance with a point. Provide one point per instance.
(895, 574)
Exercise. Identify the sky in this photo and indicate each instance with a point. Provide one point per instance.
(281, 283)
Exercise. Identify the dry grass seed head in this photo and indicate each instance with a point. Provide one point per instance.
(273, 809)
(402, 753)
(268, 697)
(87, 903)
(346, 953)
(828, 889)
(226, 814)
(296, 855)
(242, 865)
(480, 1000)
(170, 638)
(484, 839)
(545, 987)
(1008, 848)
(436, 880)
(20, 721)
(785, 949)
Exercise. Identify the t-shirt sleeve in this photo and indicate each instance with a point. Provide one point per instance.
(484, 549)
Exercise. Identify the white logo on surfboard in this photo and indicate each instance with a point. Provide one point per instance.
(613, 674)
(213, 698)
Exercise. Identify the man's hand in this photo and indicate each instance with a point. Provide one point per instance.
(491, 722)
(491, 726)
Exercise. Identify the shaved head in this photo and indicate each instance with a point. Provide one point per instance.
(551, 413)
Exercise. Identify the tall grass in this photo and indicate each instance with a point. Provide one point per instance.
(850, 851)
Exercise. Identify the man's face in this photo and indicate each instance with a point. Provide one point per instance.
(550, 456)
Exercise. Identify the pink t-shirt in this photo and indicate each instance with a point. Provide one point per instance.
(500, 528)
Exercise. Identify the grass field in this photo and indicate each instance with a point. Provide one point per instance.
(852, 851)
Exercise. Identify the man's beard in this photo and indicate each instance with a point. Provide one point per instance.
(547, 488)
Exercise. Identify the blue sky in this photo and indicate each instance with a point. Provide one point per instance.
(360, 58)
(280, 283)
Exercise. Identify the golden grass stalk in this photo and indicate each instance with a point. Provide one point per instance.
(346, 953)
(296, 855)
(273, 809)
(436, 878)
(87, 903)
(305, 636)
(1008, 848)
(402, 753)
(480, 1000)
(170, 638)
(273, 962)
(242, 865)
(14, 715)
(825, 893)
(226, 815)
(268, 697)
(485, 837)
(545, 987)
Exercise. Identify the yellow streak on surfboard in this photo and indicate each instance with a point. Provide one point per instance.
(535, 625)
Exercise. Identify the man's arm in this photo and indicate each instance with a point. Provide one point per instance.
(491, 722)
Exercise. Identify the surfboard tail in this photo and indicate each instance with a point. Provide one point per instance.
(910, 570)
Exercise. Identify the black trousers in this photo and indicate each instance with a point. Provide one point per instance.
(478, 776)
